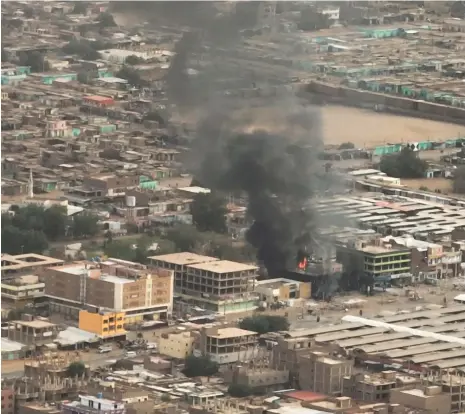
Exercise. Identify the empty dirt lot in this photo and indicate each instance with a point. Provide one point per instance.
(369, 129)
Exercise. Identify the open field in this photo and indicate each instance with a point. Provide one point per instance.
(369, 129)
(432, 184)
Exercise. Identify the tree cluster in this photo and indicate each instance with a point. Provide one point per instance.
(347, 145)
(404, 164)
(30, 228)
(199, 367)
(84, 49)
(264, 323)
(133, 60)
(131, 75)
(76, 369)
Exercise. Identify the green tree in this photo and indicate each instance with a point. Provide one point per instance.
(209, 213)
(17, 241)
(310, 19)
(199, 367)
(106, 20)
(265, 323)
(83, 77)
(85, 225)
(131, 75)
(404, 164)
(184, 237)
(346, 146)
(55, 222)
(133, 60)
(35, 60)
(239, 390)
(166, 398)
(459, 180)
(76, 369)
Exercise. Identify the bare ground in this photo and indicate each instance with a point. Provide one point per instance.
(369, 129)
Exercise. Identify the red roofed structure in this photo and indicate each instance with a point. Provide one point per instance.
(98, 100)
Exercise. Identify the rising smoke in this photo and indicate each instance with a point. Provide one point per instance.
(268, 153)
(275, 167)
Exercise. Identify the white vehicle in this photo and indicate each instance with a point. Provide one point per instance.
(104, 349)
(151, 345)
(130, 354)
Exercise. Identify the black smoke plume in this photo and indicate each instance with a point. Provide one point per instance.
(277, 171)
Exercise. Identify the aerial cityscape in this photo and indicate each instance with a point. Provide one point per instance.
(235, 207)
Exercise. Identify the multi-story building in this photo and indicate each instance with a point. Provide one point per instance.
(273, 290)
(219, 285)
(381, 262)
(102, 323)
(176, 345)
(261, 379)
(227, 345)
(370, 387)
(27, 263)
(8, 400)
(22, 291)
(115, 285)
(35, 332)
(430, 399)
(321, 373)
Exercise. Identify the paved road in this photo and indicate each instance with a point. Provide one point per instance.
(14, 369)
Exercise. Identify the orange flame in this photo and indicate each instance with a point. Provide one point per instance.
(303, 264)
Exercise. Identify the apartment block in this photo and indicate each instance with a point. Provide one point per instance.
(102, 323)
(260, 378)
(22, 290)
(218, 285)
(321, 373)
(380, 261)
(431, 262)
(281, 289)
(227, 345)
(8, 400)
(114, 285)
(430, 399)
(176, 345)
(374, 387)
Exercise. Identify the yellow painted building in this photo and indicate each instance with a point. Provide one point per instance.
(103, 324)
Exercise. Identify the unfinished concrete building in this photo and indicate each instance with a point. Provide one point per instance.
(319, 372)
(450, 383)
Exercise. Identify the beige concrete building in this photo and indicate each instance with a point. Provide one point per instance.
(430, 399)
(219, 285)
(176, 345)
(227, 345)
(115, 285)
(260, 378)
(375, 387)
(27, 263)
(35, 332)
(273, 290)
(320, 373)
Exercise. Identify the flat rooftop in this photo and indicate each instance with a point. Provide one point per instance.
(184, 258)
(23, 261)
(232, 332)
(223, 266)
(35, 324)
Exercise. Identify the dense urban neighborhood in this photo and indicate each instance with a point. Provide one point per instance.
(233, 207)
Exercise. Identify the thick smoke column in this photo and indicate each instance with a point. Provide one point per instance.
(180, 89)
(275, 169)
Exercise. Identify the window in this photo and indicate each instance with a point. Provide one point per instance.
(119, 326)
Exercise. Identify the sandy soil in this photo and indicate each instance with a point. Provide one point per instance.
(368, 129)
(432, 184)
